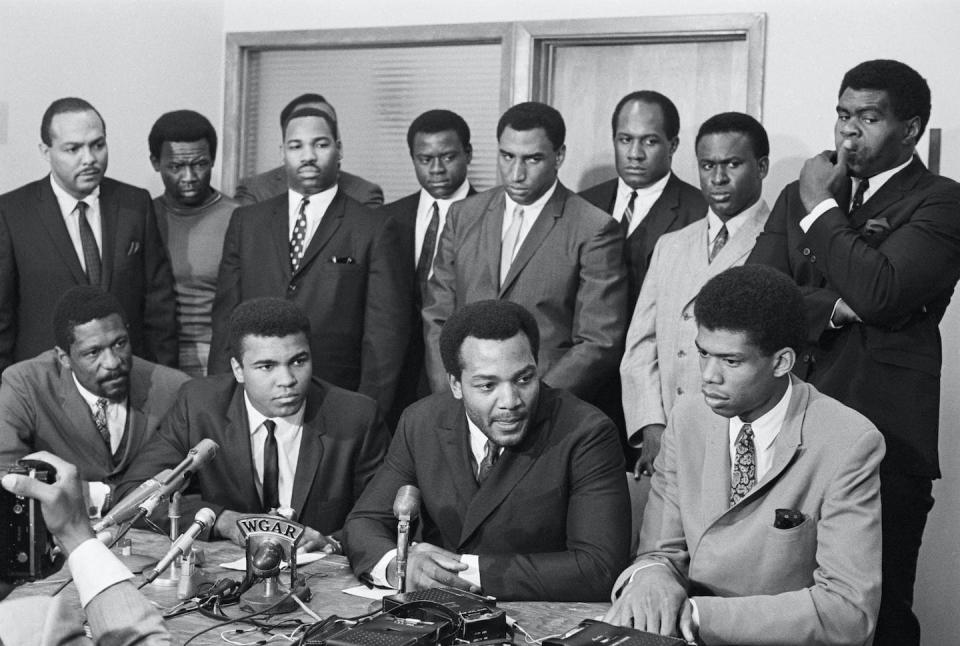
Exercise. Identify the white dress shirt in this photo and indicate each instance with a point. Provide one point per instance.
(714, 223)
(530, 214)
(641, 206)
(765, 428)
(68, 208)
(116, 414)
(425, 212)
(316, 208)
(288, 432)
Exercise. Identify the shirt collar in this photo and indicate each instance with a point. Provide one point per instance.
(88, 396)
(656, 188)
(68, 202)
(255, 418)
(427, 200)
(714, 223)
(767, 426)
(879, 179)
(319, 202)
(537, 206)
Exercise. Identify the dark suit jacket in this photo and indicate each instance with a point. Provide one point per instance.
(412, 384)
(38, 264)
(551, 522)
(342, 445)
(895, 261)
(358, 306)
(568, 272)
(678, 205)
(272, 183)
(42, 410)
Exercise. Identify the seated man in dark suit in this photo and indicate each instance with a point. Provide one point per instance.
(439, 142)
(763, 523)
(273, 182)
(88, 400)
(289, 442)
(523, 490)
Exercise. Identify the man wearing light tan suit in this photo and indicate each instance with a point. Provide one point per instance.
(660, 361)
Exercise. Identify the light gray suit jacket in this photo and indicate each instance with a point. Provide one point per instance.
(660, 360)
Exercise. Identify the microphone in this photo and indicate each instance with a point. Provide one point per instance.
(203, 452)
(127, 508)
(406, 506)
(204, 518)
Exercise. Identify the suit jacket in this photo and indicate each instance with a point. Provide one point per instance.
(568, 272)
(38, 263)
(895, 261)
(661, 360)
(819, 582)
(678, 205)
(271, 183)
(342, 444)
(551, 522)
(412, 384)
(351, 283)
(42, 410)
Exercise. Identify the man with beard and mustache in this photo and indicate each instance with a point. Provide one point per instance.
(77, 227)
(89, 400)
(339, 261)
(522, 484)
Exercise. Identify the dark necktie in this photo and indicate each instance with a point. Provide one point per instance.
(426, 253)
(743, 476)
(490, 457)
(297, 240)
(100, 419)
(271, 468)
(88, 242)
(718, 242)
(628, 214)
(857, 201)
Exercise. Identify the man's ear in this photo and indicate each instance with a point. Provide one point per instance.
(455, 386)
(155, 163)
(63, 357)
(912, 131)
(783, 361)
(237, 370)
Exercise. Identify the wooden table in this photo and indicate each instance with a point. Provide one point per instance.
(327, 578)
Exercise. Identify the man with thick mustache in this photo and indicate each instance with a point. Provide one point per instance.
(77, 227)
(339, 261)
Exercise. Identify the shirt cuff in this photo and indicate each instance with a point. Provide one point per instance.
(830, 324)
(378, 575)
(817, 211)
(94, 569)
(695, 615)
(472, 573)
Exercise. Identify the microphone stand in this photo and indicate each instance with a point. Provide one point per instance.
(403, 540)
(171, 577)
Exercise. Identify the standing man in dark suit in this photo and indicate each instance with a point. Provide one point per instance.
(439, 143)
(873, 240)
(339, 261)
(273, 182)
(533, 242)
(523, 494)
(289, 442)
(76, 227)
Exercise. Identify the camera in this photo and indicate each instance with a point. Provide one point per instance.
(26, 548)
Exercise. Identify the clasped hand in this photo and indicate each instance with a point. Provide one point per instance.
(429, 566)
(655, 602)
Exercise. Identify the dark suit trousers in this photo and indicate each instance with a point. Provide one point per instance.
(906, 501)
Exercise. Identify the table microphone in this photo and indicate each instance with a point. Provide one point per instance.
(203, 519)
(127, 508)
(406, 506)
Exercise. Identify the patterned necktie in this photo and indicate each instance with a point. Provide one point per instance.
(426, 253)
(743, 476)
(628, 214)
(271, 468)
(490, 456)
(297, 243)
(857, 202)
(718, 242)
(88, 242)
(508, 249)
(100, 419)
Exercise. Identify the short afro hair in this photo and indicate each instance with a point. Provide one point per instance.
(81, 304)
(491, 319)
(269, 317)
(757, 300)
(908, 91)
(182, 126)
(312, 112)
(301, 101)
(671, 118)
(61, 106)
(434, 121)
(532, 115)
(740, 123)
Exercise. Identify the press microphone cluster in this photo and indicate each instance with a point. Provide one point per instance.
(406, 507)
(203, 519)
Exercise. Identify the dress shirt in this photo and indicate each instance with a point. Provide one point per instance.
(288, 433)
(645, 199)
(316, 207)
(765, 431)
(530, 214)
(116, 414)
(68, 208)
(714, 223)
(425, 212)
(876, 182)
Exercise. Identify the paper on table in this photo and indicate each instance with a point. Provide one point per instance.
(370, 593)
(302, 559)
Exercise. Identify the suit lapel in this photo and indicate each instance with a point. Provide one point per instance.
(453, 436)
(109, 220)
(789, 440)
(889, 194)
(329, 224)
(136, 417)
(491, 230)
(737, 248)
(552, 211)
(76, 410)
(662, 214)
(311, 448)
(52, 220)
(278, 225)
(715, 480)
(236, 446)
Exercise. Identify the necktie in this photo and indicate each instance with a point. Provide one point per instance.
(271, 468)
(718, 242)
(88, 242)
(508, 249)
(426, 253)
(628, 214)
(743, 476)
(490, 456)
(100, 419)
(297, 243)
(857, 202)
